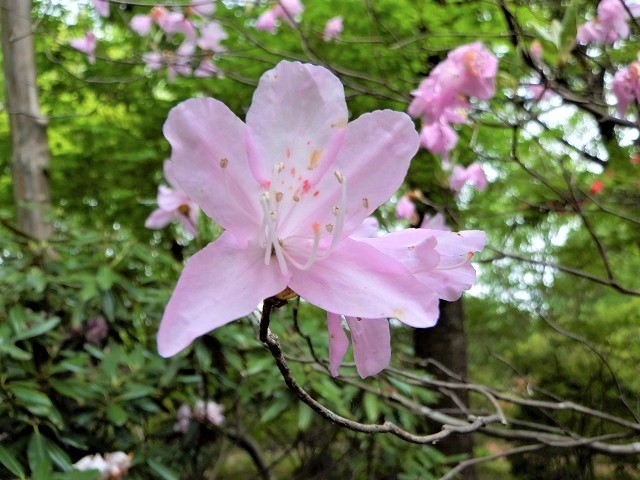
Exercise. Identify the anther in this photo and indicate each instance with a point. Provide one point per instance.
(329, 227)
(339, 176)
(224, 162)
(279, 196)
(296, 198)
(365, 202)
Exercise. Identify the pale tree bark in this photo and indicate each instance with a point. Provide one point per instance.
(29, 147)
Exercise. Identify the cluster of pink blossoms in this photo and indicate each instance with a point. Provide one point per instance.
(293, 187)
(610, 23)
(173, 204)
(626, 86)
(111, 466)
(192, 24)
(442, 98)
(197, 30)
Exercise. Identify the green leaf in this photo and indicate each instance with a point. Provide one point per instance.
(117, 414)
(37, 329)
(10, 462)
(36, 402)
(305, 416)
(162, 471)
(77, 475)
(38, 458)
(136, 390)
(275, 409)
(15, 352)
(58, 455)
(371, 405)
(105, 278)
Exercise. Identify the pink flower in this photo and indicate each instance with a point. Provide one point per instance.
(173, 204)
(439, 260)
(267, 21)
(114, 466)
(371, 340)
(332, 29)
(102, 7)
(207, 69)
(405, 208)
(439, 138)
(210, 37)
(173, 22)
(153, 60)
(626, 86)
(204, 8)
(141, 24)
(184, 419)
(539, 92)
(609, 25)
(286, 8)
(289, 187)
(86, 45)
(473, 174)
(180, 63)
(436, 222)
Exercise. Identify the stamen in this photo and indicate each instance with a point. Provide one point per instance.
(462, 263)
(272, 246)
(314, 251)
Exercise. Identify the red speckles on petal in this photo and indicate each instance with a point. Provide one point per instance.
(289, 153)
(316, 193)
(306, 186)
(293, 171)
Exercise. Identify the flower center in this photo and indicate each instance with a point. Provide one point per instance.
(274, 246)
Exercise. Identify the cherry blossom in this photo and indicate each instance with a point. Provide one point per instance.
(289, 187)
(267, 21)
(141, 24)
(173, 205)
(86, 45)
(332, 29)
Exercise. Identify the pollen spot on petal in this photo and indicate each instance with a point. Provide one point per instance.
(224, 162)
(329, 227)
(279, 196)
(340, 123)
(314, 159)
(365, 202)
(296, 198)
(399, 313)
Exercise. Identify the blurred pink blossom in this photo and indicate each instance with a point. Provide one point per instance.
(102, 7)
(626, 86)
(332, 29)
(141, 24)
(610, 23)
(173, 204)
(473, 174)
(211, 35)
(405, 208)
(86, 45)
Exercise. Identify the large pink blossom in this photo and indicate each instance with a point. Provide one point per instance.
(289, 187)
(173, 204)
(86, 45)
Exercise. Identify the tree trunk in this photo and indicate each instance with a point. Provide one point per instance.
(29, 147)
(446, 344)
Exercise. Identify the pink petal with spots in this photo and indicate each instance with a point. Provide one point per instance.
(209, 161)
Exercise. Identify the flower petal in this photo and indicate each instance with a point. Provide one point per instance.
(359, 281)
(297, 119)
(210, 164)
(371, 340)
(373, 160)
(219, 284)
(159, 218)
(338, 342)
